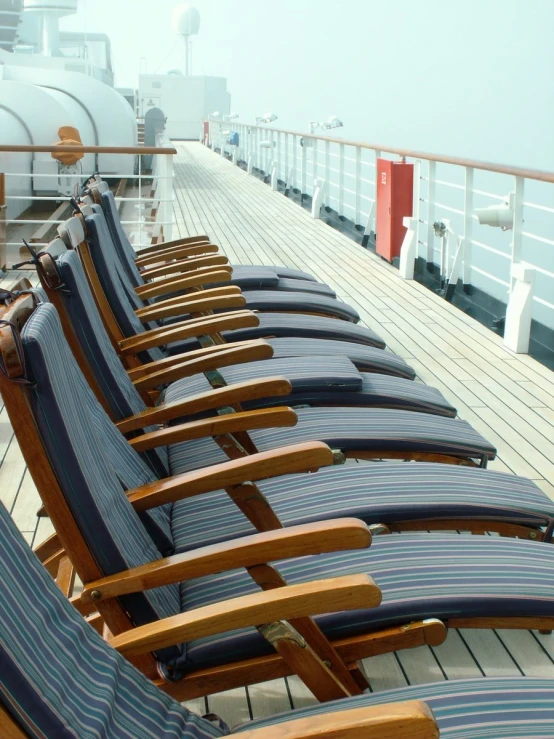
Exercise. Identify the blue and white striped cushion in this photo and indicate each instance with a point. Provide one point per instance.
(58, 678)
(487, 708)
(366, 358)
(90, 458)
(293, 324)
(376, 493)
(420, 575)
(273, 300)
(351, 429)
(114, 382)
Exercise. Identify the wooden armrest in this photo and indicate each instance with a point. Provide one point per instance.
(230, 423)
(163, 245)
(198, 294)
(200, 277)
(151, 368)
(306, 457)
(179, 252)
(229, 395)
(296, 541)
(210, 361)
(294, 601)
(189, 329)
(185, 265)
(197, 305)
(408, 720)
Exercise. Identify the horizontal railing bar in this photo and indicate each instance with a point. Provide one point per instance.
(538, 238)
(449, 208)
(449, 184)
(491, 249)
(543, 271)
(543, 302)
(490, 195)
(539, 207)
(111, 176)
(53, 149)
(489, 276)
(531, 174)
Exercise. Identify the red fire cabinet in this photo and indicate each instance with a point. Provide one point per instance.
(207, 133)
(395, 186)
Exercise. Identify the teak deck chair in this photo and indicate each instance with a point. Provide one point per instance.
(275, 301)
(367, 433)
(423, 496)
(275, 323)
(81, 466)
(320, 381)
(247, 277)
(295, 335)
(402, 497)
(60, 679)
(74, 684)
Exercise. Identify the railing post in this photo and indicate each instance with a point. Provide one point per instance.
(3, 231)
(167, 191)
(517, 330)
(358, 185)
(468, 226)
(410, 244)
(341, 180)
(303, 173)
(431, 212)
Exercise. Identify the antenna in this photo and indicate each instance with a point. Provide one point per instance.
(186, 23)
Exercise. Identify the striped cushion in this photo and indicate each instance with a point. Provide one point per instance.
(92, 461)
(121, 242)
(311, 387)
(420, 575)
(352, 429)
(366, 358)
(487, 708)
(58, 676)
(273, 300)
(376, 493)
(287, 325)
(113, 380)
(79, 687)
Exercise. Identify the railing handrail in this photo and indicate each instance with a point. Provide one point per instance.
(530, 174)
(16, 149)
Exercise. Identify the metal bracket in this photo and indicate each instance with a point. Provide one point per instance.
(281, 631)
(339, 457)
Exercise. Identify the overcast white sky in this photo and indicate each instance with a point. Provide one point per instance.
(467, 77)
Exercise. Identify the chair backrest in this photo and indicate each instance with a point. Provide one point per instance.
(119, 291)
(93, 464)
(111, 377)
(59, 678)
(122, 245)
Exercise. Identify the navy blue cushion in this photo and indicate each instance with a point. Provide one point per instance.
(93, 463)
(376, 493)
(491, 708)
(59, 678)
(420, 575)
(352, 429)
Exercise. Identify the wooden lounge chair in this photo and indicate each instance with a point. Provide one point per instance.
(73, 683)
(78, 462)
(406, 496)
(367, 433)
(277, 323)
(319, 381)
(275, 301)
(247, 277)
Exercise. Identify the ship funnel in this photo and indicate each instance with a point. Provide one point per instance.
(49, 13)
(186, 23)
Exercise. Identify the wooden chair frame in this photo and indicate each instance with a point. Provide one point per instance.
(253, 555)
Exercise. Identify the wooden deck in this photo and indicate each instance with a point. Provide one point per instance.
(509, 398)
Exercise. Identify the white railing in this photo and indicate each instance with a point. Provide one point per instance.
(515, 266)
(144, 194)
